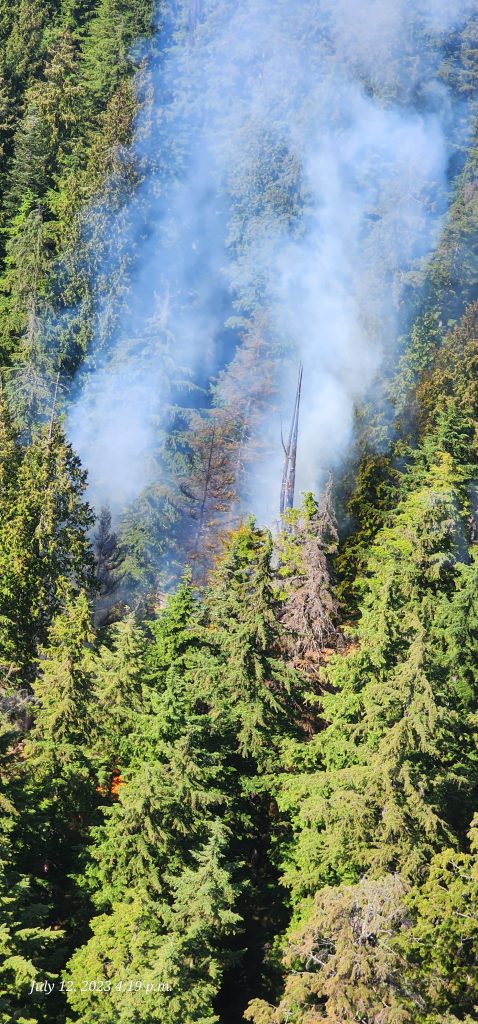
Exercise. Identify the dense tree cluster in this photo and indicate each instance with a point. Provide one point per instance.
(250, 792)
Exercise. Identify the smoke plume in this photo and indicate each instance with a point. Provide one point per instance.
(292, 161)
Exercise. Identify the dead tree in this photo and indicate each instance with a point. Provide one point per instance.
(247, 390)
(290, 452)
(207, 488)
(310, 611)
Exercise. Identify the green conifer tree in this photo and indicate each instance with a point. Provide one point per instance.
(440, 947)
(60, 781)
(119, 672)
(44, 542)
(342, 964)
(393, 712)
(251, 687)
(29, 948)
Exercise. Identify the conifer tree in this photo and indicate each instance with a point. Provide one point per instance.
(147, 842)
(177, 642)
(440, 945)
(109, 558)
(393, 765)
(45, 541)
(168, 780)
(246, 389)
(202, 918)
(115, 26)
(59, 774)
(60, 98)
(10, 456)
(375, 805)
(25, 43)
(55, 793)
(253, 689)
(32, 157)
(7, 123)
(169, 766)
(58, 798)
(28, 946)
(343, 965)
(10, 453)
(207, 485)
(171, 956)
(119, 672)
(173, 784)
(63, 687)
(309, 610)
(27, 263)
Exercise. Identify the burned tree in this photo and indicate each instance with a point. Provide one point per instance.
(290, 452)
(310, 609)
(207, 485)
(247, 390)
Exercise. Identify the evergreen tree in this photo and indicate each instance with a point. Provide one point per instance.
(60, 98)
(32, 157)
(44, 542)
(252, 687)
(207, 485)
(247, 390)
(163, 962)
(57, 764)
(22, 308)
(63, 689)
(28, 945)
(117, 23)
(343, 965)
(375, 804)
(55, 795)
(440, 946)
(109, 558)
(181, 782)
(173, 784)
(25, 43)
(119, 671)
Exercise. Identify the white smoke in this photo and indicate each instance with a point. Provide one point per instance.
(293, 158)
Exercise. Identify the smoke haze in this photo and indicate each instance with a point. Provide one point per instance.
(292, 159)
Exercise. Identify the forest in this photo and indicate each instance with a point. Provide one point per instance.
(238, 741)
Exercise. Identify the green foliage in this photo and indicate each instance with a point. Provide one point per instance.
(395, 709)
(252, 686)
(380, 802)
(59, 778)
(160, 848)
(63, 690)
(27, 943)
(343, 965)
(164, 963)
(179, 774)
(66, 104)
(44, 542)
(440, 947)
